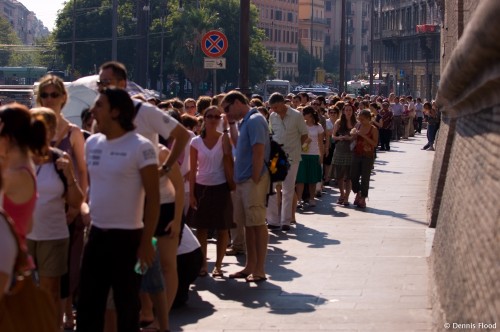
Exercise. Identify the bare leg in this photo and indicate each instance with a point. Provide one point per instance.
(160, 303)
(312, 191)
(299, 188)
(341, 185)
(255, 264)
(167, 247)
(202, 235)
(222, 241)
(146, 307)
(348, 188)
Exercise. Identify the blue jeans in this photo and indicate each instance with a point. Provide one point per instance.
(431, 133)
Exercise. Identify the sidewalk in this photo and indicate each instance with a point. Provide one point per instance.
(340, 268)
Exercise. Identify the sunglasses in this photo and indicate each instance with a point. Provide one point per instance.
(213, 117)
(103, 82)
(53, 95)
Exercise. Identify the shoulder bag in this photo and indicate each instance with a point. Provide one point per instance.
(25, 307)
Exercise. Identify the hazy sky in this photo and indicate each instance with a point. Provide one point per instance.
(45, 10)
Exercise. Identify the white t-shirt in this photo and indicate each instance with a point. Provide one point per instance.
(314, 131)
(329, 125)
(116, 192)
(8, 250)
(210, 170)
(189, 242)
(151, 121)
(49, 217)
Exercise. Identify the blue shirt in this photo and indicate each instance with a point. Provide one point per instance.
(252, 130)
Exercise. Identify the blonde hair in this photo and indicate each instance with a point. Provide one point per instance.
(55, 81)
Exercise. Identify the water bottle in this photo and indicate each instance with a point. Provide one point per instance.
(139, 269)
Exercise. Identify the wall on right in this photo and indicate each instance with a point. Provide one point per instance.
(465, 182)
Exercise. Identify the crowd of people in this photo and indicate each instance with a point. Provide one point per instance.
(116, 215)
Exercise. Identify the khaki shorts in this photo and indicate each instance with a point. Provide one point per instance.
(250, 202)
(51, 256)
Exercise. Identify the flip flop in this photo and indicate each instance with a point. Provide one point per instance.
(216, 273)
(256, 279)
(238, 275)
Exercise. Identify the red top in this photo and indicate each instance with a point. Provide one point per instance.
(21, 214)
(362, 148)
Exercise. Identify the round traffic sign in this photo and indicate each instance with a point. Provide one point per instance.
(214, 44)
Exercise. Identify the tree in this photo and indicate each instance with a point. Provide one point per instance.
(8, 37)
(307, 65)
(183, 30)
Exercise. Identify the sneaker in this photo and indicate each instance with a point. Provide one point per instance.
(285, 228)
(431, 149)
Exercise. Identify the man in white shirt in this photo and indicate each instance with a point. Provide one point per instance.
(289, 129)
(150, 120)
(124, 208)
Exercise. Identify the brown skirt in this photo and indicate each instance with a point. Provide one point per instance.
(215, 208)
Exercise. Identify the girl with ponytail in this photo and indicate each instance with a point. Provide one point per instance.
(21, 136)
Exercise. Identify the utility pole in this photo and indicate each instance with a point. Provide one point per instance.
(371, 43)
(73, 42)
(342, 48)
(244, 46)
(114, 24)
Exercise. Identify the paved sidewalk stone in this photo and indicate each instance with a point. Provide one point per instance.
(340, 268)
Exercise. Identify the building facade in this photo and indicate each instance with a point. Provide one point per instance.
(279, 20)
(28, 28)
(357, 20)
(406, 46)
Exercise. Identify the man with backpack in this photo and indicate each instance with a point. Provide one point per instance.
(251, 140)
(288, 129)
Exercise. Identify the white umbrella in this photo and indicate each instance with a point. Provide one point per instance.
(83, 92)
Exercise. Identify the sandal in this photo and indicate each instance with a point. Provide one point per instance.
(254, 278)
(216, 273)
(238, 275)
(357, 198)
(340, 201)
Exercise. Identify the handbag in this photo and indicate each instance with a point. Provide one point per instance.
(26, 307)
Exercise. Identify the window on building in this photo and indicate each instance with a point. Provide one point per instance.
(328, 6)
(289, 57)
(327, 40)
(278, 14)
(290, 17)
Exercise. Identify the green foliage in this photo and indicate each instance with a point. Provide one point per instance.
(7, 37)
(332, 60)
(182, 28)
(307, 65)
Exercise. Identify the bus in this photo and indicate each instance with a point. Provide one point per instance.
(22, 94)
(271, 86)
(21, 75)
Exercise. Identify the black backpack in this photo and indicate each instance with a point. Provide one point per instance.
(278, 164)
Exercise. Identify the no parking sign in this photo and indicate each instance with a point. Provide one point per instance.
(214, 44)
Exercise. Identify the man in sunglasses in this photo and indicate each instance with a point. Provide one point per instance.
(251, 140)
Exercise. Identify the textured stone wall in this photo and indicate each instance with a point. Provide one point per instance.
(465, 182)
